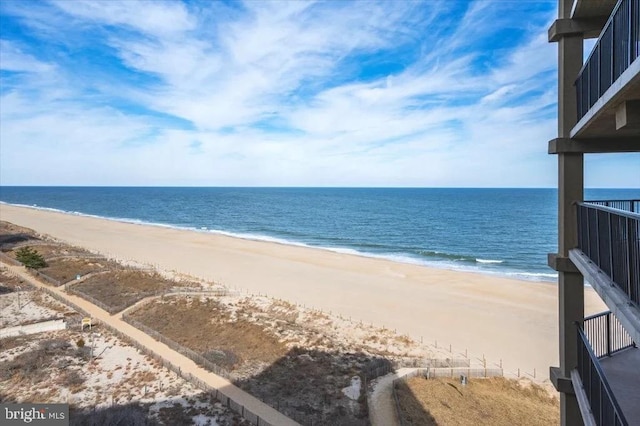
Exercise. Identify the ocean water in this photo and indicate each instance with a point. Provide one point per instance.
(496, 231)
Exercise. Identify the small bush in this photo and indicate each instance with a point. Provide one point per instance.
(72, 378)
(80, 343)
(30, 258)
(54, 346)
(83, 352)
(29, 365)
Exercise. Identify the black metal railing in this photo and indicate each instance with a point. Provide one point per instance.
(611, 239)
(606, 335)
(604, 406)
(615, 50)
(626, 205)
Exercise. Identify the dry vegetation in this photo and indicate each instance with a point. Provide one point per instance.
(269, 351)
(11, 235)
(32, 367)
(307, 385)
(51, 250)
(122, 288)
(490, 402)
(10, 283)
(206, 327)
(111, 384)
(66, 269)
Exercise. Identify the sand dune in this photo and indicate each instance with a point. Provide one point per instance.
(500, 318)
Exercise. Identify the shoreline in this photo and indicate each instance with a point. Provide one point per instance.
(467, 266)
(502, 319)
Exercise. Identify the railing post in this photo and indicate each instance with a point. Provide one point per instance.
(598, 239)
(611, 266)
(630, 34)
(630, 263)
(608, 334)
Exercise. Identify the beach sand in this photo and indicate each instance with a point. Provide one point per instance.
(498, 318)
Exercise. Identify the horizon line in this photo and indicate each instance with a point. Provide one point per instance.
(300, 187)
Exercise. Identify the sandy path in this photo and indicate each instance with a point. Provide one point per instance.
(501, 318)
(186, 365)
(382, 410)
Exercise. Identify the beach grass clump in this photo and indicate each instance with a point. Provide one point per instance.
(487, 401)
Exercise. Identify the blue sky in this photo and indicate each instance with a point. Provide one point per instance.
(258, 93)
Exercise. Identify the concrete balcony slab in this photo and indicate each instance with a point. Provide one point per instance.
(622, 370)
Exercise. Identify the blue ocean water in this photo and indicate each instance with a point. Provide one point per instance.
(497, 231)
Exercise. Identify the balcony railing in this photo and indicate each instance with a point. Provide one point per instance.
(606, 335)
(615, 50)
(626, 205)
(604, 406)
(610, 238)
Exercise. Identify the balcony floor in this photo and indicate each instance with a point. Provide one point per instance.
(623, 374)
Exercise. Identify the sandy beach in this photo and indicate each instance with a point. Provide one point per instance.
(502, 319)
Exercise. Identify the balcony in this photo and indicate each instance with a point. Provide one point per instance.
(609, 82)
(632, 206)
(607, 376)
(608, 256)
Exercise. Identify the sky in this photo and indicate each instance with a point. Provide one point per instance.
(283, 93)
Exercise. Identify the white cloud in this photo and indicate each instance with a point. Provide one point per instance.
(275, 93)
(12, 58)
(151, 18)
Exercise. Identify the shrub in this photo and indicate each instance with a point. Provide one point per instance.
(72, 378)
(30, 258)
(80, 342)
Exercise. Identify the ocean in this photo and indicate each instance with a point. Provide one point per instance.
(499, 231)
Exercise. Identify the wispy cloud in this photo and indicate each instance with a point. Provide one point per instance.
(277, 93)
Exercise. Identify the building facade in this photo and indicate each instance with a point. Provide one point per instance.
(598, 240)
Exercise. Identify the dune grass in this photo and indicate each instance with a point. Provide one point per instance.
(490, 402)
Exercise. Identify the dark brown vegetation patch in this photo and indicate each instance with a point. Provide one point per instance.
(132, 414)
(207, 327)
(122, 288)
(136, 414)
(13, 237)
(34, 366)
(11, 234)
(13, 342)
(52, 250)
(491, 402)
(66, 269)
(9, 283)
(304, 384)
(307, 386)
